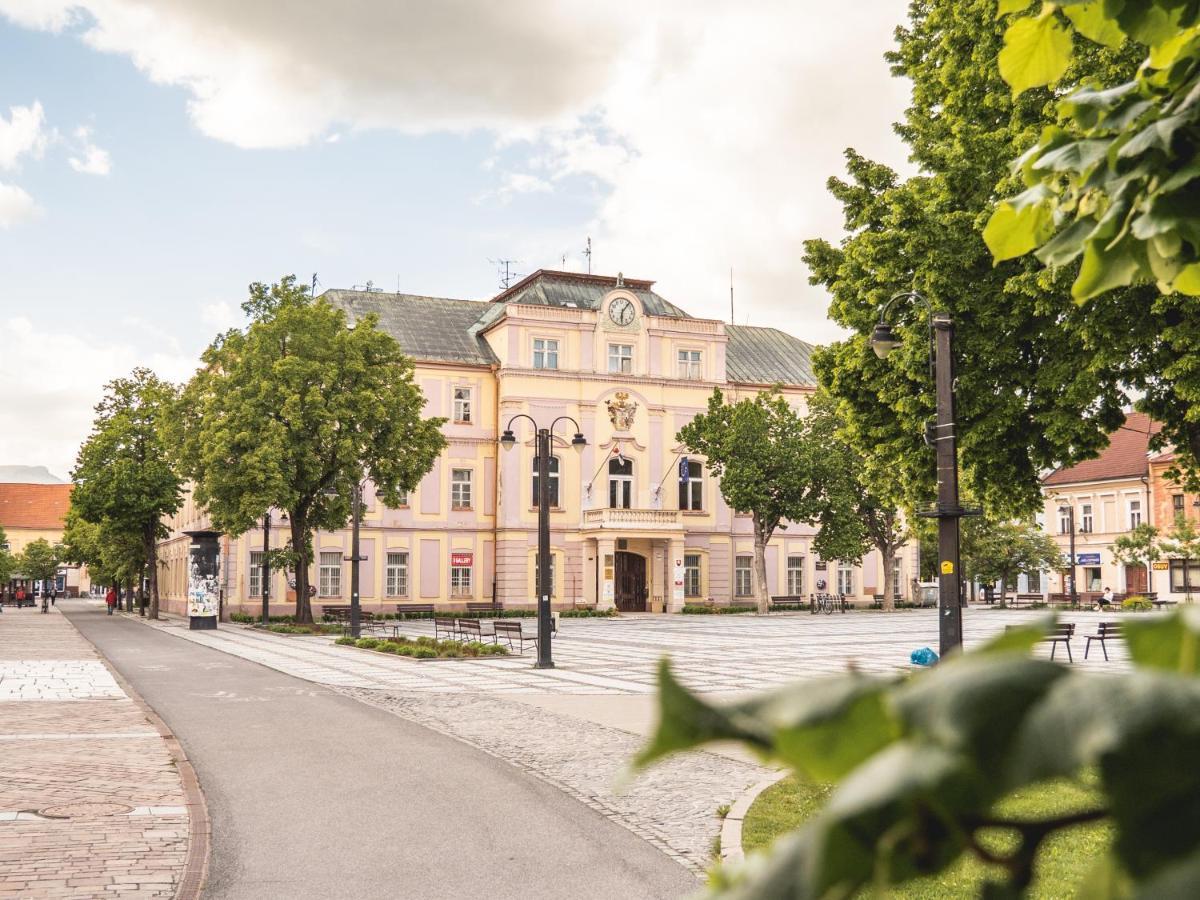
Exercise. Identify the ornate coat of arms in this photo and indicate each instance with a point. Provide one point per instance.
(621, 411)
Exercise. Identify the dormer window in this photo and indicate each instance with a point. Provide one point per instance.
(462, 405)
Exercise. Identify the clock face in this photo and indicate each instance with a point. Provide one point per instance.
(621, 311)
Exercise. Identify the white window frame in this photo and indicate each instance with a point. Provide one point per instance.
(396, 574)
(254, 584)
(460, 581)
(1064, 523)
(691, 495)
(693, 577)
(689, 365)
(461, 488)
(1087, 519)
(897, 576)
(555, 483)
(546, 355)
(795, 575)
(1133, 516)
(462, 405)
(620, 486)
(845, 579)
(620, 359)
(330, 573)
(743, 575)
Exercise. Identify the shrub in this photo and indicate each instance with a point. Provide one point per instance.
(1038, 604)
(495, 650)
(368, 643)
(588, 614)
(426, 641)
(404, 649)
(735, 610)
(690, 609)
(424, 653)
(387, 647)
(345, 640)
(1136, 604)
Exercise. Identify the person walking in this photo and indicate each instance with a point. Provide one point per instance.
(53, 594)
(111, 600)
(20, 596)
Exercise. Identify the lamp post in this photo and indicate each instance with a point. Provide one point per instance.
(542, 460)
(947, 511)
(355, 558)
(1069, 512)
(266, 570)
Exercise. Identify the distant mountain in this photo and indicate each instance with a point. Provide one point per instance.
(28, 475)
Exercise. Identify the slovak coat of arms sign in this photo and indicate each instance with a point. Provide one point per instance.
(621, 411)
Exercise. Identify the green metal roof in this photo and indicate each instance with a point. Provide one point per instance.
(574, 290)
(756, 355)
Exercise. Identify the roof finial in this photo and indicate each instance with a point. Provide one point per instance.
(620, 280)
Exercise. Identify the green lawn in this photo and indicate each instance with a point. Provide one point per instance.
(1062, 863)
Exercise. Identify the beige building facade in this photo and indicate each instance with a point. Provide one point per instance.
(628, 529)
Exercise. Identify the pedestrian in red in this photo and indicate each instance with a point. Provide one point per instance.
(111, 599)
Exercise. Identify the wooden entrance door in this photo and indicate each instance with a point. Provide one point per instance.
(630, 577)
(1135, 579)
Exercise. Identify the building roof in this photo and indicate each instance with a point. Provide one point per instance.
(34, 505)
(1126, 455)
(430, 329)
(756, 355)
(575, 290)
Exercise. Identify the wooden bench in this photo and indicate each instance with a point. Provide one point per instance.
(510, 630)
(1058, 634)
(788, 601)
(472, 630)
(484, 608)
(448, 626)
(403, 610)
(1030, 599)
(1105, 631)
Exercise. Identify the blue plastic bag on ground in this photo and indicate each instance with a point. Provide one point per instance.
(923, 657)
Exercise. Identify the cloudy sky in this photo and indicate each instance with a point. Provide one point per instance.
(156, 156)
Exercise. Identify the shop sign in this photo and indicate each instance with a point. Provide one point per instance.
(1087, 559)
(462, 559)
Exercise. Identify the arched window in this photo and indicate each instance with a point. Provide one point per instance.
(553, 482)
(620, 483)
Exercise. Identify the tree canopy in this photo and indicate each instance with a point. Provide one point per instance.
(40, 559)
(1001, 550)
(1041, 379)
(125, 480)
(8, 562)
(293, 411)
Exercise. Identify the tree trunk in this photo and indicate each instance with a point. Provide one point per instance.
(152, 565)
(129, 595)
(300, 548)
(887, 554)
(1004, 586)
(760, 568)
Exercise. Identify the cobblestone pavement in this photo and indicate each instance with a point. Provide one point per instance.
(91, 803)
(673, 804)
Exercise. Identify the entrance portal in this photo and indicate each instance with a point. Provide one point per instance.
(1135, 579)
(630, 582)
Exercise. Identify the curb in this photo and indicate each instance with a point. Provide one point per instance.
(731, 828)
(195, 864)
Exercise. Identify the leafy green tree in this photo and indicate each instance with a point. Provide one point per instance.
(40, 559)
(113, 556)
(769, 466)
(1001, 550)
(1183, 542)
(1041, 379)
(1140, 547)
(296, 409)
(920, 763)
(124, 477)
(8, 562)
(1110, 194)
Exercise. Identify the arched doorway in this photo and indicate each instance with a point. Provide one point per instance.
(630, 590)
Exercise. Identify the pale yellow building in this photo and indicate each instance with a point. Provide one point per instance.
(631, 368)
(30, 512)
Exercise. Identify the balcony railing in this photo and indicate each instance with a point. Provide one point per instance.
(642, 519)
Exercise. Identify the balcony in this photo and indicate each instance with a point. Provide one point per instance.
(632, 519)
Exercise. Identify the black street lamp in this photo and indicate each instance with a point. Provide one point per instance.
(266, 570)
(542, 459)
(356, 501)
(947, 511)
(1069, 511)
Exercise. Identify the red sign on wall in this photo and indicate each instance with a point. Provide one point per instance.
(462, 559)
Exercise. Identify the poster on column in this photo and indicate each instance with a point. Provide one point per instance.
(204, 578)
(678, 593)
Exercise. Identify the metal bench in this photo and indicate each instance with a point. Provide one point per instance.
(1058, 634)
(404, 610)
(1105, 631)
(1018, 599)
(483, 608)
(472, 630)
(447, 625)
(511, 630)
(788, 601)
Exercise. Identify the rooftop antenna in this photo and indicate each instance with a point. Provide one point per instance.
(564, 261)
(731, 295)
(504, 269)
(588, 253)
(313, 291)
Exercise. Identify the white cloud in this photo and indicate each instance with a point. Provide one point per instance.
(23, 133)
(222, 315)
(51, 387)
(92, 160)
(15, 205)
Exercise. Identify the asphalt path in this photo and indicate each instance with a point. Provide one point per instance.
(315, 795)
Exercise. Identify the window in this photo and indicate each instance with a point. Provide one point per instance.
(620, 483)
(397, 574)
(690, 367)
(691, 494)
(691, 575)
(256, 558)
(537, 574)
(620, 359)
(1064, 521)
(331, 573)
(1185, 582)
(845, 579)
(795, 576)
(1177, 504)
(460, 488)
(741, 576)
(462, 404)
(896, 579)
(545, 354)
(553, 480)
(460, 581)
(1135, 513)
(1033, 581)
(1091, 579)
(1085, 518)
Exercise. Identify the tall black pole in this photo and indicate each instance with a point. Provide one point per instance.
(356, 512)
(266, 570)
(1074, 561)
(544, 659)
(949, 579)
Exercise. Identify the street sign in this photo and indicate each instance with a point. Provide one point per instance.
(683, 470)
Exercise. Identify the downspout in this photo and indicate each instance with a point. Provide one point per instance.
(1149, 513)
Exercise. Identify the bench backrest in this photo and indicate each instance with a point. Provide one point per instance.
(1064, 630)
(1110, 629)
(444, 623)
(469, 625)
(508, 627)
(414, 607)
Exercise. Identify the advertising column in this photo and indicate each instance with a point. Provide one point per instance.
(204, 579)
